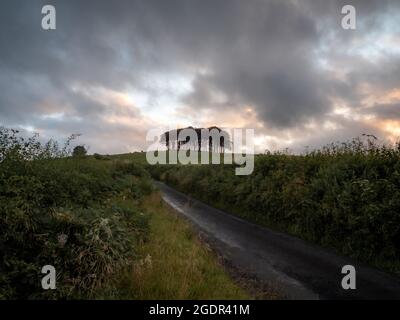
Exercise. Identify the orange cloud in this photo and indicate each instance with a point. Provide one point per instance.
(375, 96)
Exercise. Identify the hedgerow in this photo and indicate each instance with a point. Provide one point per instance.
(66, 212)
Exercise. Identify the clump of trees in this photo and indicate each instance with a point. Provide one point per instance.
(212, 139)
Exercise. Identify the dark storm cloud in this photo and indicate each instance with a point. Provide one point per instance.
(268, 65)
(273, 62)
(263, 54)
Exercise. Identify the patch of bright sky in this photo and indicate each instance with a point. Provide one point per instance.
(52, 116)
(28, 128)
(369, 44)
(161, 97)
(374, 45)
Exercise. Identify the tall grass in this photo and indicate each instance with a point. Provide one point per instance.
(174, 264)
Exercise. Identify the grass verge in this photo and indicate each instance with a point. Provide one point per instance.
(175, 264)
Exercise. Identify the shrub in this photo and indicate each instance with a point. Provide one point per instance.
(79, 151)
(101, 157)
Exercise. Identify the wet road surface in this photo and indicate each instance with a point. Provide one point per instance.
(293, 267)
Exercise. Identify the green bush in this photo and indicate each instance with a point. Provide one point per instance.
(79, 151)
(101, 157)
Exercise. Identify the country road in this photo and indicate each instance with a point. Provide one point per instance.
(293, 267)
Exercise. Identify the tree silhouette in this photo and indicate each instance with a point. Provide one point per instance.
(216, 139)
(79, 151)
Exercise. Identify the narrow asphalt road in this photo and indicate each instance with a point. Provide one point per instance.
(293, 267)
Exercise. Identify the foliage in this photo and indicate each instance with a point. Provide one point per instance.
(79, 151)
(101, 157)
(67, 212)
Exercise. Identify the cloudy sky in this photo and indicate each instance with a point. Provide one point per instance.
(114, 69)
